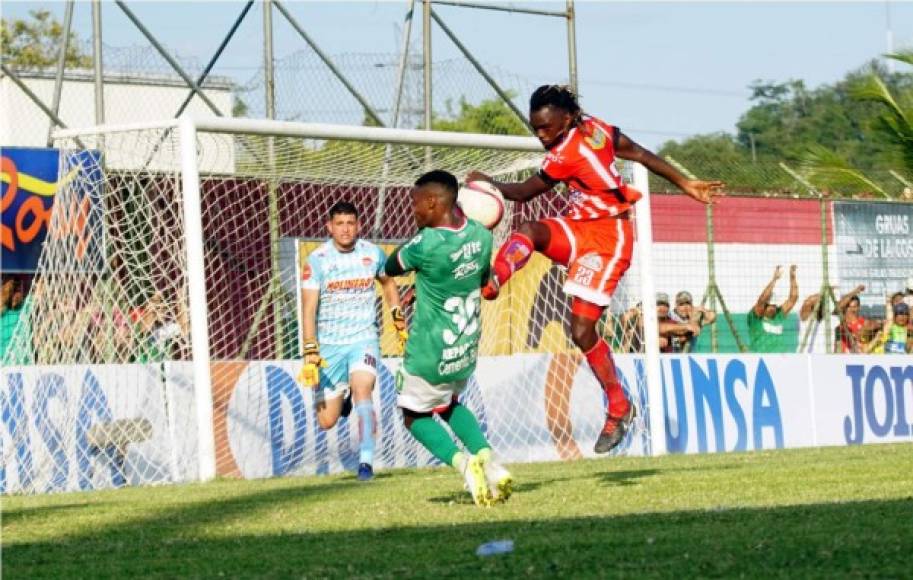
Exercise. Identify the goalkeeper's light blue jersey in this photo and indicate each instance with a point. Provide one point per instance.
(346, 311)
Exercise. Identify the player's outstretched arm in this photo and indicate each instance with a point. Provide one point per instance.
(521, 191)
(702, 191)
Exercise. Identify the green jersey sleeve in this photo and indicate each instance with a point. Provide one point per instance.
(411, 255)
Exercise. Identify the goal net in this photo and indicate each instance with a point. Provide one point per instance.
(162, 336)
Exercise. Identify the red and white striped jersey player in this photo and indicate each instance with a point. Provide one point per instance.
(595, 237)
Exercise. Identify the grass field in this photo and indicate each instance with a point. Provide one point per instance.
(801, 513)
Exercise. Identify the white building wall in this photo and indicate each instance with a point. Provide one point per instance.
(128, 99)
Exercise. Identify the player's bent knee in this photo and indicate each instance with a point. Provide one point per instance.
(537, 232)
(583, 333)
(327, 421)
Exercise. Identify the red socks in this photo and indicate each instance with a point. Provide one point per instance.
(513, 255)
(600, 359)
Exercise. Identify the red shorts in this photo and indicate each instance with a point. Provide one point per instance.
(597, 253)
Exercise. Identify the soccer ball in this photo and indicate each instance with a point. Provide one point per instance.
(482, 202)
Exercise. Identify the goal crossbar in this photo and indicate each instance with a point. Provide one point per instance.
(270, 128)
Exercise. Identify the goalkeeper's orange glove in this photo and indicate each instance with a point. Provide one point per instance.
(399, 323)
(310, 370)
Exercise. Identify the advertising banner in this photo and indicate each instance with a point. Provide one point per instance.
(874, 247)
(88, 427)
(529, 411)
(862, 399)
(29, 184)
(82, 427)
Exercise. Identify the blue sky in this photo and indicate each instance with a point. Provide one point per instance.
(658, 70)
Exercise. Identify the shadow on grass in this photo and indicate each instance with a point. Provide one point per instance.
(625, 478)
(377, 476)
(11, 516)
(462, 497)
(869, 538)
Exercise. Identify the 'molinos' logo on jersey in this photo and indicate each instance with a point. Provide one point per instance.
(367, 261)
(350, 284)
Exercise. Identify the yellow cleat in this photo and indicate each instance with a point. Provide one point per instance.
(474, 474)
(500, 481)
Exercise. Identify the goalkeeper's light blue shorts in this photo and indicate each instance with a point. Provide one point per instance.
(343, 360)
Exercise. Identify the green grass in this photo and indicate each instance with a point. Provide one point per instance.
(824, 513)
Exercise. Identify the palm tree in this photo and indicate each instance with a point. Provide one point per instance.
(827, 169)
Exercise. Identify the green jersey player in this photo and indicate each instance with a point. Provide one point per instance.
(450, 257)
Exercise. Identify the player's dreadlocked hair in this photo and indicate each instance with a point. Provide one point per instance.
(558, 96)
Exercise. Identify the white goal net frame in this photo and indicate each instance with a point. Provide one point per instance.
(184, 438)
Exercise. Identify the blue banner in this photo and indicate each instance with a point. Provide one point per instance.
(28, 187)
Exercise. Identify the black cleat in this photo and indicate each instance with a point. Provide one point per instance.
(614, 431)
(346, 406)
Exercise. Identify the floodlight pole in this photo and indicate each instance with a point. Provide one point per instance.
(388, 150)
(61, 64)
(97, 60)
(572, 45)
(274, 290)
(426, 71)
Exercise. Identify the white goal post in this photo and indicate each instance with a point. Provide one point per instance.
(200, 223)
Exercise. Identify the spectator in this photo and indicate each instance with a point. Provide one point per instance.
(766, 320)
(15, 331)
(895, 337)
(908, 293)
(854, 332)
(672, 333)
(812, 337)
(686, 313)
(669, 330)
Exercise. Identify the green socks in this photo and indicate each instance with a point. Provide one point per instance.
(464, 425)
(435, 438)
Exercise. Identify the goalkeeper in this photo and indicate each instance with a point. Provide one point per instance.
(450, 256)
(341, 349)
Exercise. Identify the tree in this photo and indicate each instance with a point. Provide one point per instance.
(721, 156)
(36, 43)
(787, 119)
(861, 122)
(892, 128)
(491, 116)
